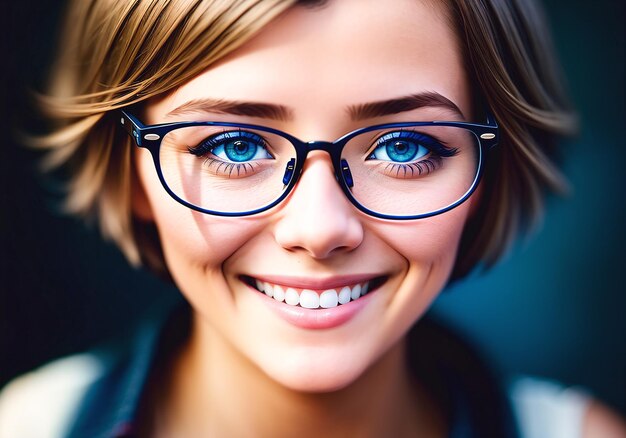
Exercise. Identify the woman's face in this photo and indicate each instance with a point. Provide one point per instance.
(317, 63)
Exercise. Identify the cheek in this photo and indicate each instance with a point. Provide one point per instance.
(193, 242)
(433, 241)
(429, 247)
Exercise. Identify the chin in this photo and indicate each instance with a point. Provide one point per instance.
(328, 382)
(305, 373)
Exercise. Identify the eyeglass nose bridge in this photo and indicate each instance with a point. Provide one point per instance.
(333, 149)
(321, 146)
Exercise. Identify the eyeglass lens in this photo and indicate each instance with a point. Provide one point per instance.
(401, 172)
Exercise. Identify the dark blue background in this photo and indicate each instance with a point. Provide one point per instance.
(554, 307)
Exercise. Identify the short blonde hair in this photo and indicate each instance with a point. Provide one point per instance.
(120, 53)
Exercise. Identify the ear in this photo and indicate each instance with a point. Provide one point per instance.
(141, 207)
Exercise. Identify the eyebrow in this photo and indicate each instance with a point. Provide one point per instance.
(237, 108)
(283, 113)
(403, 104)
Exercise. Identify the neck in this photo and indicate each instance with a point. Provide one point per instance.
(215, 391)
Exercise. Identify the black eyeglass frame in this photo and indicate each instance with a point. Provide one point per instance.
(150, 137)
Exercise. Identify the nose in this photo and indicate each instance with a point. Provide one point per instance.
(318, 218)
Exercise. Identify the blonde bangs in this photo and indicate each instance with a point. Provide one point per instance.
(115, 54)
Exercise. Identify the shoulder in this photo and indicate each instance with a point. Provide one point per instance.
(50, 394)
(94, 391)
(546, 408)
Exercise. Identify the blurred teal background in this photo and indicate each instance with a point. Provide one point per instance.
(555, 307)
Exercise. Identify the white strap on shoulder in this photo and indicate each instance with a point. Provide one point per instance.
(547, 409)
(42, 403)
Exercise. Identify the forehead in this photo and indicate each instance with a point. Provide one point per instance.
(344, 53)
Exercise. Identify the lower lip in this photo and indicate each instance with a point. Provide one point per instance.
(315, 319)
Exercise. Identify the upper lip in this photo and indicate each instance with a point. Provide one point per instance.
(301, 282)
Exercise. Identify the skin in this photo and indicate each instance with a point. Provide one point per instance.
(241, 354)
(316, 232)
(319, 376)
(603, 422)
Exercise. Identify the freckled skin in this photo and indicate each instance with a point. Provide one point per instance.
(316, 62)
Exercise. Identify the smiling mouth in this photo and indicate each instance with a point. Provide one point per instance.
(314, 299)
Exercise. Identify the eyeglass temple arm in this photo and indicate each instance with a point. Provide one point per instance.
(493, 136)
(491, 120)
(131, 125)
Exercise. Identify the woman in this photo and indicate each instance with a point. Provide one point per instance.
(310, 176)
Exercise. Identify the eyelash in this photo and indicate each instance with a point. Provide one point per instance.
(229, 168)
(428, 163)
(435, 146)
(208, 145)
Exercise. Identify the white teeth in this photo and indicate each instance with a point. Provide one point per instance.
(328, 299)
(309, 299)
(292, 297)
(279, 293)
(344, 295)
(356, 292)
(269, 289)
(365, 288)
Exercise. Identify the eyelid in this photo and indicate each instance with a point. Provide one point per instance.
(239, 133)
(218, 139)
(376, 142)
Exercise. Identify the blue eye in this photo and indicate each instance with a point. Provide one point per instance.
(404, 147)
(234, 147)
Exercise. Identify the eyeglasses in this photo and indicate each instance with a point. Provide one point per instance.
(393, 171)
